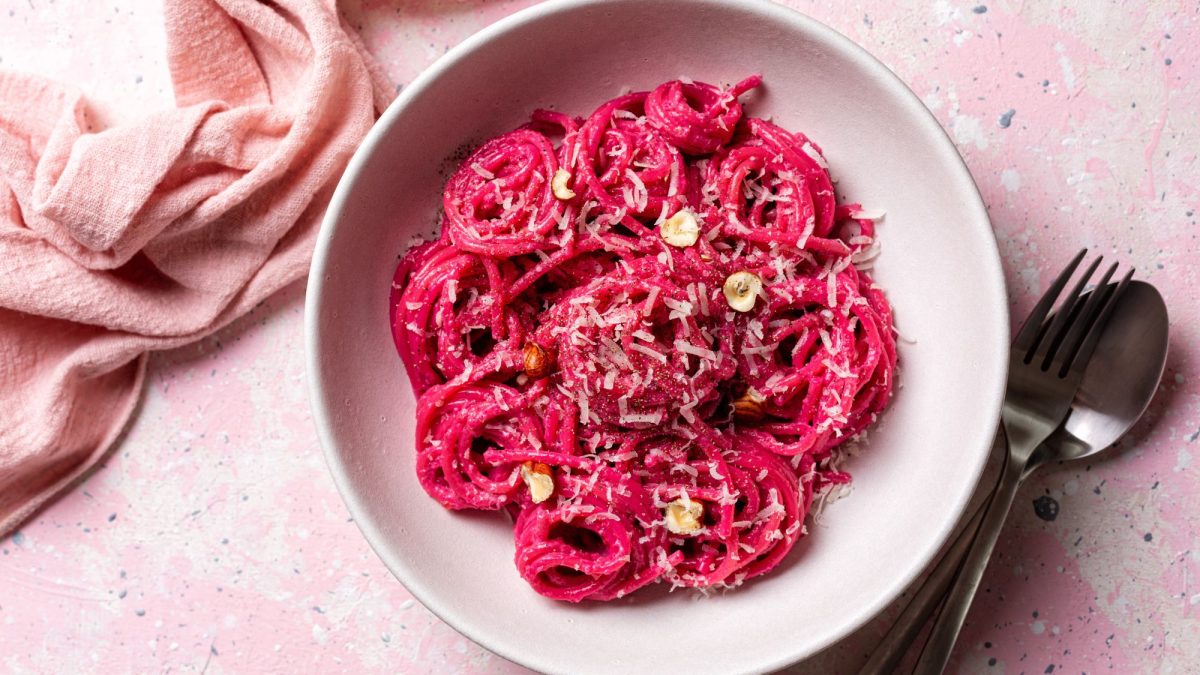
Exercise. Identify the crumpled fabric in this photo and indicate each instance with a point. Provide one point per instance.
(153, 234)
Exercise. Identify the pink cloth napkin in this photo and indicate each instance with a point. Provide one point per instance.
(153, 234)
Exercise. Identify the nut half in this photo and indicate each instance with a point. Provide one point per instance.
(539, 479)
(683, 517)
(741, 289)
(749, 408)
(558, 184)
(681, 230)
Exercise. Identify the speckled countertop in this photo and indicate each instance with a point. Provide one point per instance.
(213, 538)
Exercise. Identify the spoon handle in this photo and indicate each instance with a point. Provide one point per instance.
(949, 622)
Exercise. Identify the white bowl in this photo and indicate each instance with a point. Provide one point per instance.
(939, 265)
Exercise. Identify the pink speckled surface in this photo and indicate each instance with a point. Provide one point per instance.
(213, 538)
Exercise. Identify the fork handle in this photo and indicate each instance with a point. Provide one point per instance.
(949, 622)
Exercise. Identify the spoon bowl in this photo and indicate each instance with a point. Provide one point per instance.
(1119, 381)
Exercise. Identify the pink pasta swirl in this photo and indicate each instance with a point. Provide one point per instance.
(469, 440)
(625, 165)
(751, 503)
(825, 358)
(449, 314)
(773, 186)
(695, 117)
(500, 200)
(586, 360)
(592, 546)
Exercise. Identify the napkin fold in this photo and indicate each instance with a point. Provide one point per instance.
(153, 234)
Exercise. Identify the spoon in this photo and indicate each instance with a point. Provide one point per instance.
(1117, 386)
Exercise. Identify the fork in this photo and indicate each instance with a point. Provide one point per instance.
(1046, 364)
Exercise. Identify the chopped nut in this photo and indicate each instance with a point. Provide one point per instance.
(539, 479)
(749, 408)
(538, 361)
(681, 229)
(683, 517)
(559, 185)
(741, 289)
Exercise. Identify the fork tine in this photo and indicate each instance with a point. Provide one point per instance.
(1082, 320)
(1048, 346)
(1052, 335)
(1027, 337)
(1081, 355)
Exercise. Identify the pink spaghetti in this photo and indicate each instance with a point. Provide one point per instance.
(646, 334)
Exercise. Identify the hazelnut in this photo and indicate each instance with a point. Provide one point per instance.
(741, 289)
(749, 408)
(683, 517)
(538, 478)
(559, 186)
(681, 230)
(538, 361)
